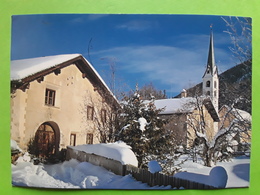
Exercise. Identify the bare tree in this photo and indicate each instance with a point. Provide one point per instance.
(101, 115)
(235, 129)
(148, 92)
(240, 31)
(112, 66)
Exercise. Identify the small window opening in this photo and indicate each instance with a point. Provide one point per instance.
(90, 112)
(89, 139)
(208, 84)
(103, 115)
(73, 139)
(50, 97)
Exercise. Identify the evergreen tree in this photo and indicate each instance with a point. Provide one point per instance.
(143, 130)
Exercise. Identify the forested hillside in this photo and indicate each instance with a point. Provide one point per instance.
(235, 87)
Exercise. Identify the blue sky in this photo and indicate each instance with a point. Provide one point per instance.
(169, 51)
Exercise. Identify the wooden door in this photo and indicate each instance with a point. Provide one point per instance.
(45, 139)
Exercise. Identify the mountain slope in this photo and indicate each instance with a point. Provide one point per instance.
(235, 87)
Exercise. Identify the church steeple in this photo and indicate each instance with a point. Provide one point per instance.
(211, 67)
(210, 78)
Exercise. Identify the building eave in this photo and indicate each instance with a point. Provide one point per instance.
(211, 109)
(82, 64)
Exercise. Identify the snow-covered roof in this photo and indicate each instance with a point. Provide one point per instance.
(240, 114)
(26, 67)
(245, 115)
(119, 151)
(29, 68)
(184, 105)
(175, 105)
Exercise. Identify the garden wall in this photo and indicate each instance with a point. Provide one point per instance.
(109, 164)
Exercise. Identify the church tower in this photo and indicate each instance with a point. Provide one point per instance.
(210, 77)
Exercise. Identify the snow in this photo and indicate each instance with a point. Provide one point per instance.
(26, 67)
(14, 146)
(153, 166)
(119, 151)
(73, 174)
(25, 158)
(218, 177)
(239, 114)
(237, 172)
(142, 121)
(243, 115)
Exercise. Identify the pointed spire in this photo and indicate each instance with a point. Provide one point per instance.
(211, 57)
(210, 69)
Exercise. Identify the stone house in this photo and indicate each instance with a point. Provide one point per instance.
(58, 101)
(185, 116)
(238, 120)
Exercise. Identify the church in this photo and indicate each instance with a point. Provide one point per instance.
(188, 115)
(200, 114)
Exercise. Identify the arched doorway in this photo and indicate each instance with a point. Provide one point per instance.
(47, 139)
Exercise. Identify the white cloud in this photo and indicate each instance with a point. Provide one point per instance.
(167, 65)
(80, 19)
(97, 16)
(136, 25)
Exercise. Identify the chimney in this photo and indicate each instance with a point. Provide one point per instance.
(183, 93)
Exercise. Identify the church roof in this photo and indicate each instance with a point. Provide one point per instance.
(184, 105)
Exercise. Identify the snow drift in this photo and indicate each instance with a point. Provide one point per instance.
(119, 151)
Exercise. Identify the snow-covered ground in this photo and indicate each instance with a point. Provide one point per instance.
(237, 171)
(74, 174)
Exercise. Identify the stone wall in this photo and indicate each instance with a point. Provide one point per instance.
(109, 164)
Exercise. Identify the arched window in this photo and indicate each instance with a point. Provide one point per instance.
(215, 84)
(208, 84)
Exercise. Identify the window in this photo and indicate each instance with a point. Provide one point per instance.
(103, 115)
(90, 112)
(208, 84)
(208, 93)
(73, 139)
(49, 97)
(215, 84)
(89, 139)
(215, 94)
